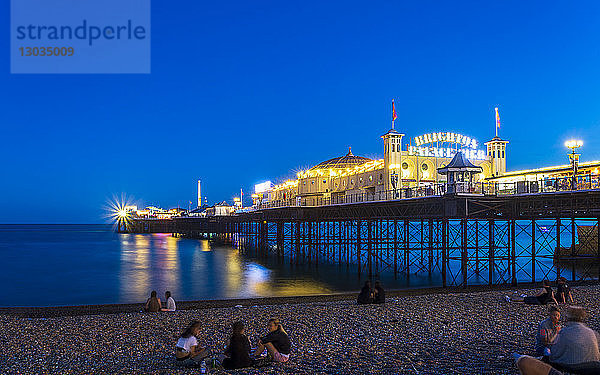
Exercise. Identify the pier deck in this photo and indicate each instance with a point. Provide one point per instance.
(467, 239)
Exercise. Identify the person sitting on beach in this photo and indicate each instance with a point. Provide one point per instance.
(576, 347)
(378, 293)
(153, 303)
(170, 302)
(563, 292)
(546, 333)
(366, 294)
(238, 351)
(542, 297)
(532, 366)
(187, 349)
(276, 342)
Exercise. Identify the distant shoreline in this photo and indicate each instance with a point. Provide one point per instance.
(78, 310)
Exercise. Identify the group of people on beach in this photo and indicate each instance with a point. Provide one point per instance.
(238, 353)
(572, 347)
(371, 295)
(153, 304)
(546, 294)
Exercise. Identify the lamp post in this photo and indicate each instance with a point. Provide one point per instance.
(574, 144)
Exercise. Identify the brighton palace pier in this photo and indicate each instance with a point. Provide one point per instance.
(419, 167)
(438, 205)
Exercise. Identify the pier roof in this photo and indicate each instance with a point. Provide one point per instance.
(460, 164)
(347, 161)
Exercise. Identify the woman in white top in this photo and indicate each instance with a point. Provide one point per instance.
(187, 347)
(170, 302)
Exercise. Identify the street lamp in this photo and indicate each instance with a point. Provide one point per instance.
(574, 144)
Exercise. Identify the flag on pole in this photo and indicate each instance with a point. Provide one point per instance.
(497, 118)
(394, 117)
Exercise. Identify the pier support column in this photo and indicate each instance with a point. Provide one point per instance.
(369, 247)
(573, 251)
(280, 241)
(444, 251)
(492, 247)
(513, 253)
(464, 252)
(358, 245)
(557, 249)
(406, 248)
(395, 247)
(430, 233)
(533, 250)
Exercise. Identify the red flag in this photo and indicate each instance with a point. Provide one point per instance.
(394, 117)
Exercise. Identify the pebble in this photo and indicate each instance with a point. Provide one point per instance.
(454, 333)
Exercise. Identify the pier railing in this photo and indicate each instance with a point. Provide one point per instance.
(547, 185)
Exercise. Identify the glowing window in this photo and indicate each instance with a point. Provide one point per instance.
(370, 178)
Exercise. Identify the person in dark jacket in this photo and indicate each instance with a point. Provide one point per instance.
(276, 342)
(238, 350)
(379, 293)
(563, 292)
(366, 294)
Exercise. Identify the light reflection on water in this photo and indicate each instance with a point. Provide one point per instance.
(197, 269)
(46, 265)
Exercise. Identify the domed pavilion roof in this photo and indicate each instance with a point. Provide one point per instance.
(341, 162)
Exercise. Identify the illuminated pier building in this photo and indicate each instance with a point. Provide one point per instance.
(403, 166)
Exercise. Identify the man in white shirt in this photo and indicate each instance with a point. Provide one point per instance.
(170, 302)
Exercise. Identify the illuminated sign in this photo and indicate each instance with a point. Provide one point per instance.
(262, 187)
(446, 137)
(468, 146)
(445, 152)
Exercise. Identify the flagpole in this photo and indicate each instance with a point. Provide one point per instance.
(393, 110)
(497, 120)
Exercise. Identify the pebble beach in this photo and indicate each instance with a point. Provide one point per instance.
(450, 333)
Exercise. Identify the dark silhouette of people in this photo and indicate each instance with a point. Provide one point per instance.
(378, 293)
(238, 350)
(366, 294)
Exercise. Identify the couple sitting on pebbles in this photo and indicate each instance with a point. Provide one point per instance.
(238, 353)
(371, 295)
(572, 348)
(153, 303)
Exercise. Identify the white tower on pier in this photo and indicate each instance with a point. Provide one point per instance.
(199, 193)
(496, 151)
(392, 155)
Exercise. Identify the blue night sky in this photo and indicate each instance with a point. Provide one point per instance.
(248, 91)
